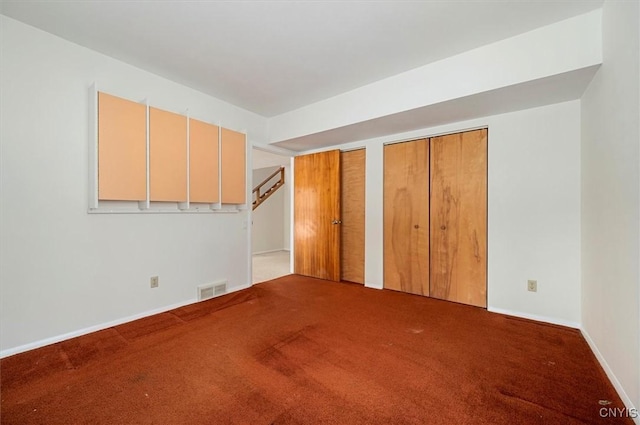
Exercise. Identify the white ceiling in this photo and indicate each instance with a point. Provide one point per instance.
(271, 57)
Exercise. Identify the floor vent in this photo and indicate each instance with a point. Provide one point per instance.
(211, 290)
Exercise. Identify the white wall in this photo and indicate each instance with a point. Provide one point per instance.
(611, 202)
(534, 210)
(268, 232)
(62, 269)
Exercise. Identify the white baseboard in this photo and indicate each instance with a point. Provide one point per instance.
(373, 285)
(58, 338)
(612, 377)
(536, 317)
(270, 251)
(239, 288)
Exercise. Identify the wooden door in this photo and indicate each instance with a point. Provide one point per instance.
(317, 215)
(406, 217)
(352, 165)
(459, 217)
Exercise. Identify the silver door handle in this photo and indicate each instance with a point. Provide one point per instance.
(336, 222)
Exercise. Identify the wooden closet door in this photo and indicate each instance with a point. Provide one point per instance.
(317, 215)
(352, 166)
(406, 217)
(459, 217)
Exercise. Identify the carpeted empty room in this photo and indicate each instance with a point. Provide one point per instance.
(353, 212)
(298, 350)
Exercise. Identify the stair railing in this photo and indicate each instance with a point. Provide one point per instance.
(259, 195)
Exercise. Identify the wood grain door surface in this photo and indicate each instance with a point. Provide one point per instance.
(352, 165)
(459, 217)
(316, 215)
(406, 217)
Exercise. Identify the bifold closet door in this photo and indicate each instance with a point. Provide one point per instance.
(406, 217)
(317, 215)
(352, 166)
(459, 217)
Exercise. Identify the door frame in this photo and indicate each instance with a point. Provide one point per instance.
(288, 186)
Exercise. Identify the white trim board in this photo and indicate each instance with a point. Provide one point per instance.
(373, 285)
(269, 251)
(612, 377)
(63, 337)
(274, 149)
(535, 317)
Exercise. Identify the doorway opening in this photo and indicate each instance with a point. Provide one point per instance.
(271, 216)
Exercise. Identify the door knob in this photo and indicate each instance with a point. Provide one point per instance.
(336, 222)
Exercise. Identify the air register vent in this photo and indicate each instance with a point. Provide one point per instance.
(211, 290)
(220, 289)
(205, 293)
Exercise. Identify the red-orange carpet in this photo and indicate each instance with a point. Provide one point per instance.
(304, 351)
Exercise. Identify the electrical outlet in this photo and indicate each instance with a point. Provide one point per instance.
(154, 281)
(532, 285)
